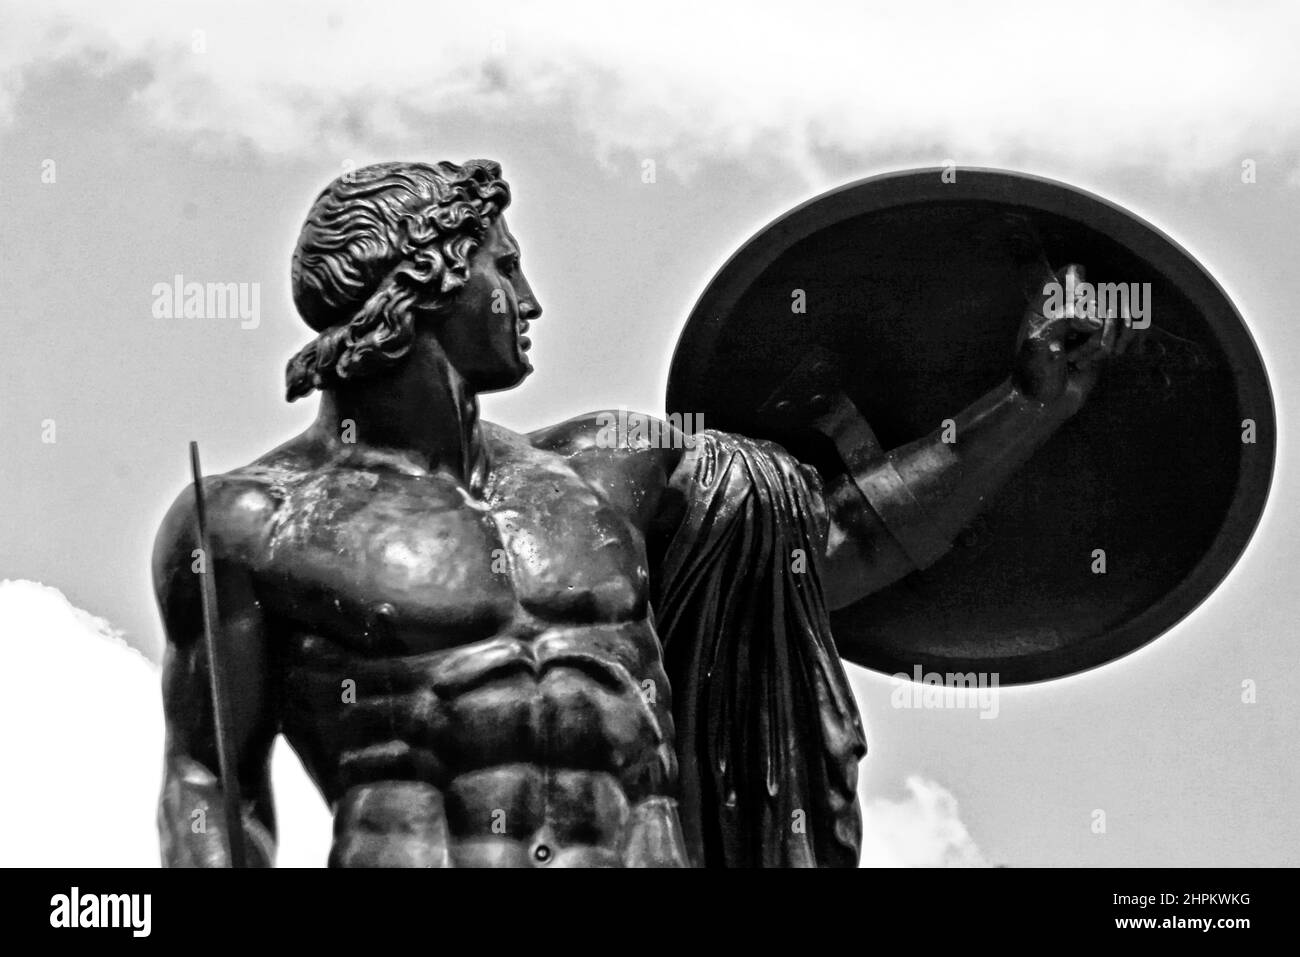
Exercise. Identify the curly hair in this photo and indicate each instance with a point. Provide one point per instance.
(378, 242)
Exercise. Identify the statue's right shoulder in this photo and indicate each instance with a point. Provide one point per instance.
(241, 507)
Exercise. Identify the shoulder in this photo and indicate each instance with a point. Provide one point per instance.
(627, 456)
(633, 445)
(615, 432)
(240, 507)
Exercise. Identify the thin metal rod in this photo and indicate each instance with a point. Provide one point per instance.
(227, 753)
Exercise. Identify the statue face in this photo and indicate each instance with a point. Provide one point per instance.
(482, 331)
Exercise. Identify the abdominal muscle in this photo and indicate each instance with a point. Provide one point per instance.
(538, 753)
(409, 824)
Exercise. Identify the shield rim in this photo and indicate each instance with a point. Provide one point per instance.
(900, 188)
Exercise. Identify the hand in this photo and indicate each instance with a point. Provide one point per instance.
(1064, 342)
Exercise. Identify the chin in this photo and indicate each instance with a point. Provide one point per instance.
(499, 380)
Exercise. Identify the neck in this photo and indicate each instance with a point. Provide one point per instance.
(421, 416)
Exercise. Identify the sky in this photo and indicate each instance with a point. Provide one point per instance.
(141, 142)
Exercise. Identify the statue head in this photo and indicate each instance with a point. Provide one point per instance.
(399, 253)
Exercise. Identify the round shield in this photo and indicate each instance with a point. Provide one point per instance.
(915, 285)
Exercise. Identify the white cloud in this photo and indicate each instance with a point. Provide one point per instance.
(83, 745)
(1178, 88)
(81, 715)
(922, 830)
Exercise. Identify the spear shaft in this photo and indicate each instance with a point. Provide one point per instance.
(227, 755)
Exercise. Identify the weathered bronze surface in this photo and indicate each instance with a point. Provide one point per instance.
(912, 286)
(604, 643)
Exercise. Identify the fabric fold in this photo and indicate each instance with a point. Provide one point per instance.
(768, 734)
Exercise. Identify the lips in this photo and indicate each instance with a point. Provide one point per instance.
(524, 341)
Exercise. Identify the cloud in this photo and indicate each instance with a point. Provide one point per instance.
(83, 733)
(922, 830)
(82, 725)
(1177, 88)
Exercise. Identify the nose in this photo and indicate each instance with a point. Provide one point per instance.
(529, 308)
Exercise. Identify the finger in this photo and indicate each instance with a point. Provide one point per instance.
(1086, 316)
(1110, 333)
(1126, 333)
(1080, 302)
(1069, 278)
(1085, 352)
(1086, 322)
(1044, 275)
(1056, 306)
(1042, 317)
(1097, 345)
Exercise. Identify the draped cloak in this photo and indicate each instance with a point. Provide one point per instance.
(768, 735)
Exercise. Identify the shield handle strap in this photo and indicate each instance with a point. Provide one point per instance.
(812, 392)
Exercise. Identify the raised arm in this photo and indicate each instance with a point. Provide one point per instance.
(897, 511)
(191, 814)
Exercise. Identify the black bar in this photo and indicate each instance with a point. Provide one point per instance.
(849, 910)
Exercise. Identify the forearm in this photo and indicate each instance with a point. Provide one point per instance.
(950, 474)
(192, 821)
(901, 510)
(896, 512)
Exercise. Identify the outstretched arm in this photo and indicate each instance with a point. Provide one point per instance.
(897, 511)
(191, 813)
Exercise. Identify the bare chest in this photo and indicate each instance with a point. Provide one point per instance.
(390, 564)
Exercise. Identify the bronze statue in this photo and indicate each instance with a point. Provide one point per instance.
(583, 646)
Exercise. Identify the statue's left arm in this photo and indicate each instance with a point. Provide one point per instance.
(898, 511)
(890, 512)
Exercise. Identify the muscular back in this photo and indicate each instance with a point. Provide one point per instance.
(470, 679)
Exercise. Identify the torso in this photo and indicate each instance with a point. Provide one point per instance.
(470, 680)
